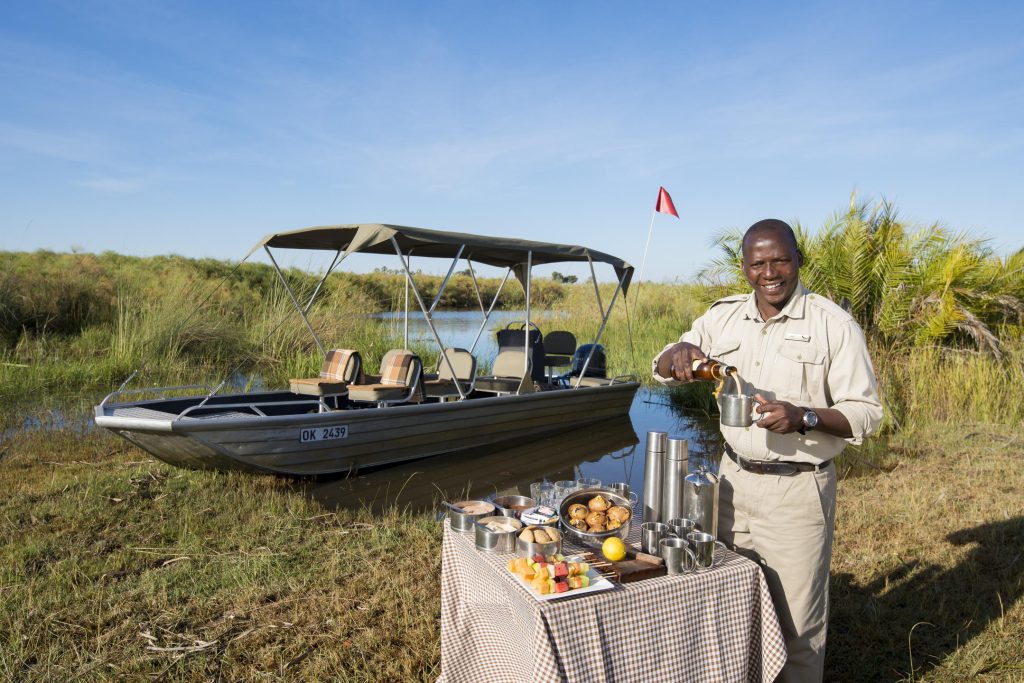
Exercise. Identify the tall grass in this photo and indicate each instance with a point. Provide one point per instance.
(89, 321)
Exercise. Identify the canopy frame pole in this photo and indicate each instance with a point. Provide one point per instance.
(487, 315)
(597, 290)
(335, 262)
(426, 316)
(444, 283)
(476, 285)
(600, 331)
(526, 326)
(295, 301)
(408, 281)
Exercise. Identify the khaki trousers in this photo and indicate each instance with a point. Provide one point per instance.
(786, 524)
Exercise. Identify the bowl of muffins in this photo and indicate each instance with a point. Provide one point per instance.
(592, 515)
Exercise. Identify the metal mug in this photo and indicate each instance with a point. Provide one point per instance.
(703, 546)
(622, 488)
(681, 526)
(651, 534)
(737, 410)
(678, 557)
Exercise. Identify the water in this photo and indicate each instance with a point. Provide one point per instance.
(612, 451)
(458, 329)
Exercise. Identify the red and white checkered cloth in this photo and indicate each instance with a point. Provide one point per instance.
(715, 625)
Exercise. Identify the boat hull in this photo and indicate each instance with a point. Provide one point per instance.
(358, 438)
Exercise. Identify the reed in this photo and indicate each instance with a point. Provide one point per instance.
(76, 322)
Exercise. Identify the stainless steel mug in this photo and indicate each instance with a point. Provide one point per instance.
(703, 546)
(622, 488)
(681, 526)
(737, 410)
(651, 534)
(678, 557)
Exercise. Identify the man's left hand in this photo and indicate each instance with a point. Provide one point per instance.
(781, 417)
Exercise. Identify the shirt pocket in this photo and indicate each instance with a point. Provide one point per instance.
(800, 371)
(726, 350)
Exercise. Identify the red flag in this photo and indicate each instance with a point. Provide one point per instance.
(665, 204)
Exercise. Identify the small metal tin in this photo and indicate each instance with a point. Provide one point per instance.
(526, 549)
(462, 520)
(490, 541)
(514, 506)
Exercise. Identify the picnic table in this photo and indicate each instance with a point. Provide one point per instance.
(718, 624)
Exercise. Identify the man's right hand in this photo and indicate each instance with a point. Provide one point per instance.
(677, 361)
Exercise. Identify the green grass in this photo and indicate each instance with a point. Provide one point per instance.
(114, 566)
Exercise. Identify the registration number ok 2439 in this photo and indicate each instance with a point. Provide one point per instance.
(323, 433)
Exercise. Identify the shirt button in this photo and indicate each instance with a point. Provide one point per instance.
(757, 363)
(764, 331)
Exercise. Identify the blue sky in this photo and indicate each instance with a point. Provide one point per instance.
(197, 127)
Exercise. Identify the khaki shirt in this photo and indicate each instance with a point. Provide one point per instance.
(812, 354)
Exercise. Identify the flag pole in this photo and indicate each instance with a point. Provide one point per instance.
(643, 263)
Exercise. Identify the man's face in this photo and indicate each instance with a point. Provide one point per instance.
(772, 266)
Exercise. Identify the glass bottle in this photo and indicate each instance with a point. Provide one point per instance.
(711, 370)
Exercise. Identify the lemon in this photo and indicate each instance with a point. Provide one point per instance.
(613, 549)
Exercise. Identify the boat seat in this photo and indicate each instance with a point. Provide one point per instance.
(559, 347)
(398, 381)
(341, 367)
(443, 385)
(507, 376)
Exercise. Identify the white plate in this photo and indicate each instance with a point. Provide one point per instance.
(597, 583)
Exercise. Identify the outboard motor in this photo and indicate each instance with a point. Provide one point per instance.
(596, 368)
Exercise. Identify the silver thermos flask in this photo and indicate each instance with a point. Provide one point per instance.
(700, 500)
(676, 460)
(653, 468)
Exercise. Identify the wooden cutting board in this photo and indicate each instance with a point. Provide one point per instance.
(636, 567)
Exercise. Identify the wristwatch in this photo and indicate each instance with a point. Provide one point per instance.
(810, 421)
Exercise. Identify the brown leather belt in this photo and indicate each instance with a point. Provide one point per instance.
(785, 469)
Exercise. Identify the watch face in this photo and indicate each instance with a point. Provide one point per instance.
(811, 419)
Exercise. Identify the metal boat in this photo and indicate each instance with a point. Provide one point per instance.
(340, 423)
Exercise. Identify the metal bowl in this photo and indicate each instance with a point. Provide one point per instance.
(490, 541)
(591, 538)
(526, 549)
(462, 520)
(513, 506)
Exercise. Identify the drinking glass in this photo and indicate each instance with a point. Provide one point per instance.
(543, 492)
(563, 488)
(588, 483)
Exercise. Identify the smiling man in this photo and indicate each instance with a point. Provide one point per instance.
(806, 362)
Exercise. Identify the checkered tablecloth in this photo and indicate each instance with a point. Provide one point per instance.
(715, 625)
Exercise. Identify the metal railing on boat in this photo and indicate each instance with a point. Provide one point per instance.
(154, 390)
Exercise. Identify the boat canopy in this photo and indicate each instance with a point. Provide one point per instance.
(375, 238)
